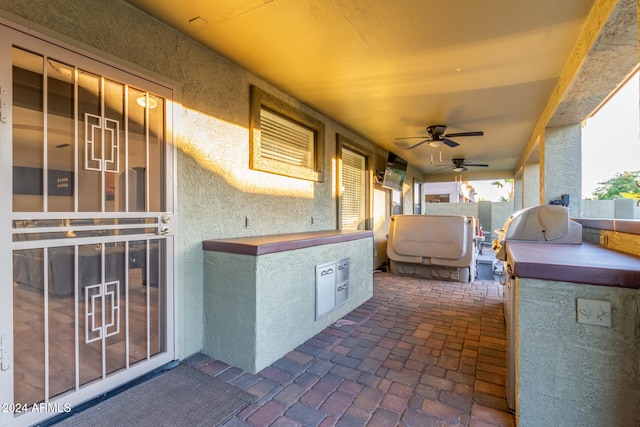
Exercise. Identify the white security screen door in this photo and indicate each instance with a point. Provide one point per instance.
(87, 264)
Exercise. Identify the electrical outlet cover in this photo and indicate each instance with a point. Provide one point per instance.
(593, 312)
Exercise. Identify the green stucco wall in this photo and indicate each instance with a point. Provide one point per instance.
(257, 309)
(550, 345)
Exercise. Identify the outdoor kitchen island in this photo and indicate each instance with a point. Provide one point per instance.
(569, 373)
(265, 295)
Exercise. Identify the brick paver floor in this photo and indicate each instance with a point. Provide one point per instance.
(419, 353)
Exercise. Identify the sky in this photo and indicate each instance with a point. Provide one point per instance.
(611, 139)
(611, 143)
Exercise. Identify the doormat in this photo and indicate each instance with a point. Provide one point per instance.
(183, 396)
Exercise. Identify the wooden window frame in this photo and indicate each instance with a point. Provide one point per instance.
(343, 142)
(262, 100)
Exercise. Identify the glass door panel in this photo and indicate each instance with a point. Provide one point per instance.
(148, 298)
(28, 131)
(137, 150)
(156, 154)
(61, 320)
(28, 325)
(114, 156)
(60, 137)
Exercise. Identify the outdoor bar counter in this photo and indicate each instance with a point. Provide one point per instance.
(585, 263)
(261, 293)
(569, 372)
(262, 245)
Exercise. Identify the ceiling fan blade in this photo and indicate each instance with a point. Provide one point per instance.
(417, 145)
(476, 164)
(454, 135)
(411, 137)
(450, 142)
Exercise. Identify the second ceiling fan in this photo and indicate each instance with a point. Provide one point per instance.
(459, 165)
(436, 136)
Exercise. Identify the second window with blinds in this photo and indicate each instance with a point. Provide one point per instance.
(353, 191)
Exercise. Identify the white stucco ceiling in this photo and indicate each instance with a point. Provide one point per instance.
(389, 68)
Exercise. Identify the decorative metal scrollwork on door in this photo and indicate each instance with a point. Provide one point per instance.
(105, 299)
(109, 158)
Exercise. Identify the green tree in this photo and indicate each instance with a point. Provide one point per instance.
(622, 185)
(501, 184)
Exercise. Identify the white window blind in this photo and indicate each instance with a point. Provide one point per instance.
(353, 191)
(417, 198)
(285, 141)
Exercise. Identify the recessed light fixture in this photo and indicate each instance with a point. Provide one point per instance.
(142, 101)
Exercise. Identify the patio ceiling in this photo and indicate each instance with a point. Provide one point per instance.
(388, 69)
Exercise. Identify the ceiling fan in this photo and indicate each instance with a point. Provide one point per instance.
(436, 136)
(459, 165)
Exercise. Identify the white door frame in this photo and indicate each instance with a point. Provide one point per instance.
(6, 263)
(13, 34)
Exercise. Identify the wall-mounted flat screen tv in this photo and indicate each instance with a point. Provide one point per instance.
(395, 172)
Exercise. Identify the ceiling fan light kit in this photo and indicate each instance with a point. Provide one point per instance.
(436, 137)
(459, 165)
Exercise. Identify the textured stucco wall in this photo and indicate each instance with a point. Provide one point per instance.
(217, 192)
(531, 186)
(618, 209)
(230, 307)
(562, 160)
(500, 211)
(468, 209)
(605, 54)
(598, 209)
(259, 308)
(517, 193)
(626, 209)
(484, 216)
(573, 374)
(407, 194)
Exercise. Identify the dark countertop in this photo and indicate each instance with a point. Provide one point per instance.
(262, 245)
(629, 226)
(585, 263)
